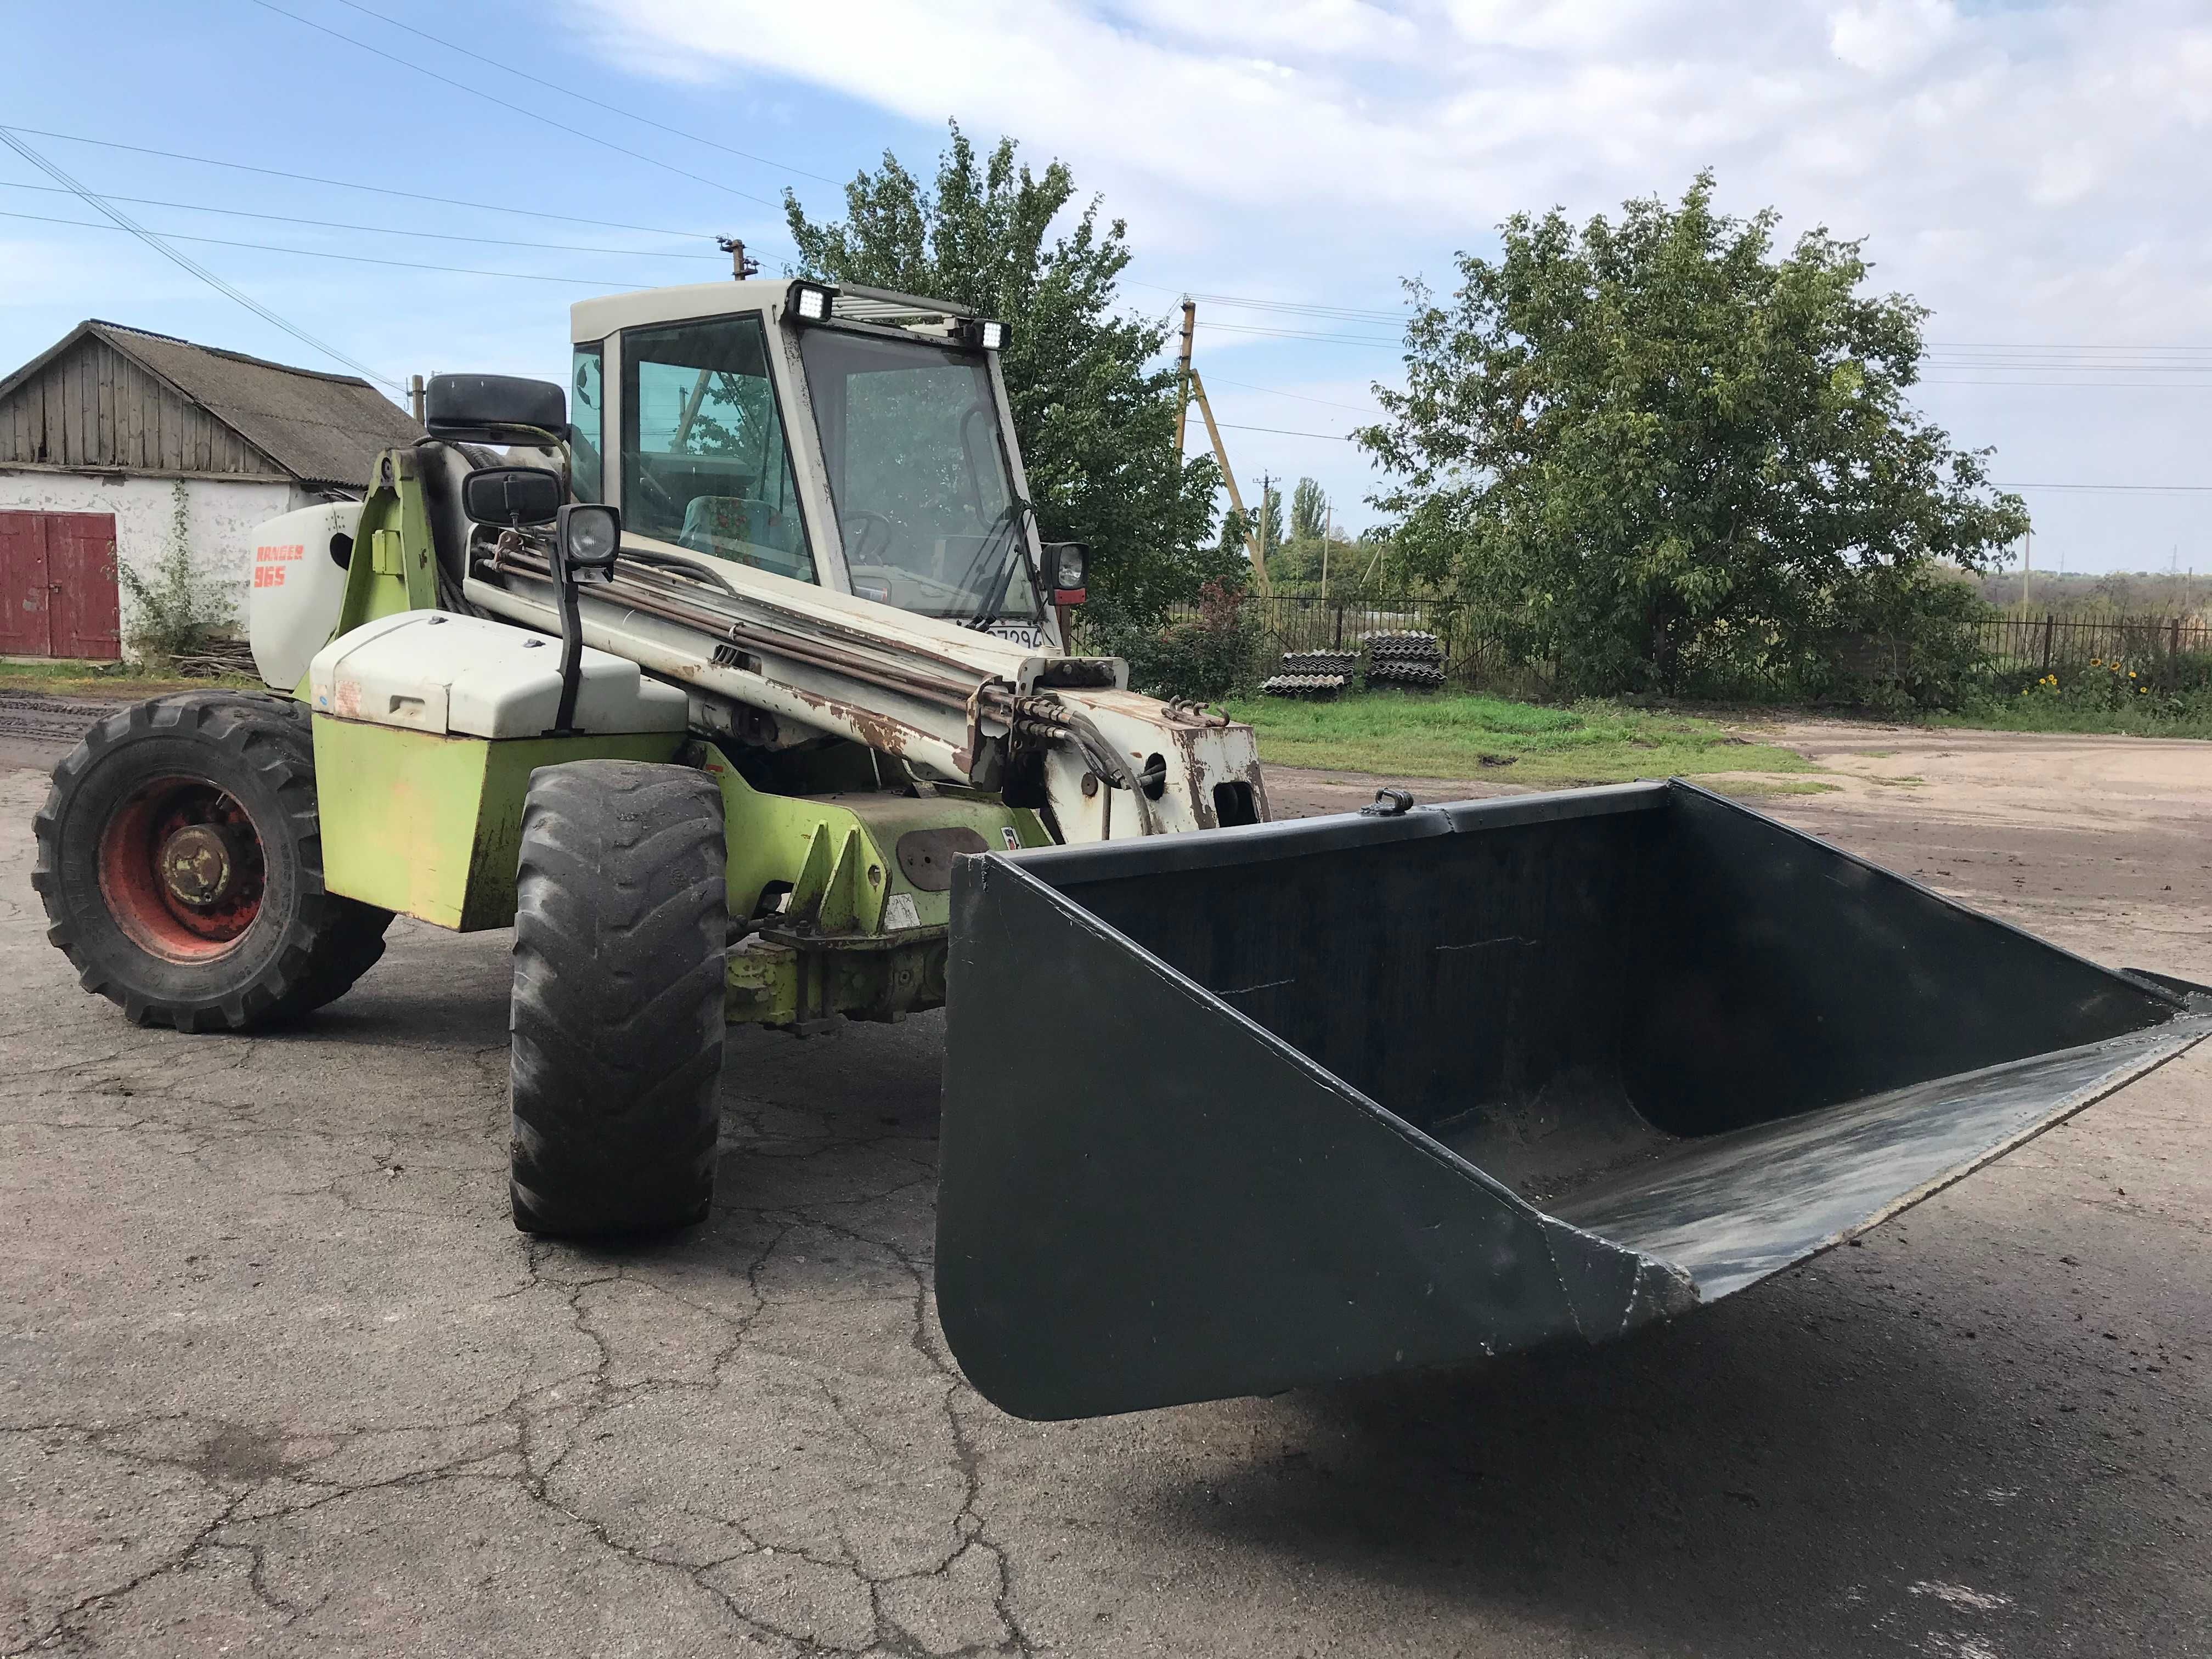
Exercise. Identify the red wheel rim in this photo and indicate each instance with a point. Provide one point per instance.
(182, 869)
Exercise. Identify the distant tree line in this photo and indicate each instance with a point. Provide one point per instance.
(1653, 451)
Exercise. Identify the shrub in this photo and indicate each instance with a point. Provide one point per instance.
(2148, 689)
(177, 611)
(1205, 658)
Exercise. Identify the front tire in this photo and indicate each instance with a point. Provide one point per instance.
(180, 865)
(620, 929)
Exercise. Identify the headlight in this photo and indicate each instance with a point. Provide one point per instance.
(980, 331)
(809, 301)
(591, 536)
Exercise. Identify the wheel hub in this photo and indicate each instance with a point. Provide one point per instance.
(198, 865)
(182, 869)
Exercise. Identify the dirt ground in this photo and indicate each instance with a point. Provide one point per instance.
(2101, 844)
(277, 1376)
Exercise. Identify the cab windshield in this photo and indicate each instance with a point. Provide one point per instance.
(923, 494)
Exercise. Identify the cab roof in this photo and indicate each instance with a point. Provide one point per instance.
(594, 320)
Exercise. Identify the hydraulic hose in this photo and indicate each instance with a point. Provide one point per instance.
(1107, 761)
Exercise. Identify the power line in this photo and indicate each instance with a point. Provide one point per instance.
(1304, 398)
(1343, 314)
(382, 230)
(2091, 358)
(519, 109)
(346, 184)
(123, 221)
(1339, 313)
(2122, 489)
(1301, 334)
(2070, 386)
(584, 98)
(2054, 366)
(2036, 345)
(1284, 431)
(304, 252)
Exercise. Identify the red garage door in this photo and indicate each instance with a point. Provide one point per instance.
(57, 595)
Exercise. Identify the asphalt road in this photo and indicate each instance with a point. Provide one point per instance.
(277, 1376)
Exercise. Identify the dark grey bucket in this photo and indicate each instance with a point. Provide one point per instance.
(1229, 1113)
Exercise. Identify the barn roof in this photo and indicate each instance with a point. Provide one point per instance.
(321, 428)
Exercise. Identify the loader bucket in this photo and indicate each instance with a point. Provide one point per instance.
(1232, 1112)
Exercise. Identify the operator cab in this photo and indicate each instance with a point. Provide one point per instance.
(846, 437)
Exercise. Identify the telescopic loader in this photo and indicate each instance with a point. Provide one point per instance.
(740, 688)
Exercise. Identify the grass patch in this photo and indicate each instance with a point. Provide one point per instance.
(58, 677)
(1464, 735)
(1753, 788)
(2035, 714)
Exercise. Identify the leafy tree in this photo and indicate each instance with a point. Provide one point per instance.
(1094, 414)
(1309, 511)
(1660, 453)
(1235, 527)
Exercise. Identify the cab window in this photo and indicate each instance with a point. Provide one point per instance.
(704, 461)
(585, 424)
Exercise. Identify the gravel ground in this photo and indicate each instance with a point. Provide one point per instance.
(277, 1376)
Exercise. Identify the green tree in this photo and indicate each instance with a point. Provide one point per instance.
(1093, 403)
(1309, 511)
(1659, 453)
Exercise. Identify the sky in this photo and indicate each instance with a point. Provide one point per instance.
(2038, 175)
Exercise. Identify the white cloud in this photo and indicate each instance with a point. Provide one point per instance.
(2074, 132)
(1890, 37)
(2032, 172)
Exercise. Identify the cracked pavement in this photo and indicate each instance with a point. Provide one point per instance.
(278, 1377)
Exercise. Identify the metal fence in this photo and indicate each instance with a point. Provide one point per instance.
(2051, 642)
(1473, 654)
(2173, 649)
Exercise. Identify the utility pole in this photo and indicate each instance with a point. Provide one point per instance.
(740, 266)
(417, 394)
(1328, 534)
(1183, 375)
(1229, 477)
(2027, 572)
(1266, 501)
(1190, 386)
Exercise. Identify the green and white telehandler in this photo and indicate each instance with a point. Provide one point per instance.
(740, 688)
(705, 702)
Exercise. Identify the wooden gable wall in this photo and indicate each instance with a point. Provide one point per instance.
(94, 407)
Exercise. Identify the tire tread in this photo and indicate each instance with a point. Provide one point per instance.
(617, 1017)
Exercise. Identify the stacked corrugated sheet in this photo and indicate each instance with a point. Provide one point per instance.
(1313, 674)
(1411, 657)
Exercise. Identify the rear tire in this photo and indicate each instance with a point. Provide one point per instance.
(620, 929)
(180, 865)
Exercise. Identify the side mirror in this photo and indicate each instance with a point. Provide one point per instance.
(491, 409)
(590, 536)
(1066, 564)
(512, 496)
(585, 545)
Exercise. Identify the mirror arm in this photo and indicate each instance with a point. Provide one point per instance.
(572, 643)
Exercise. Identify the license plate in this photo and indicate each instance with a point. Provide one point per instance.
(1023, 634)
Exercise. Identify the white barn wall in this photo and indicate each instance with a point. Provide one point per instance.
(220, 516)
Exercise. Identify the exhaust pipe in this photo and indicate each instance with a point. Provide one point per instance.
(1298, 1102)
